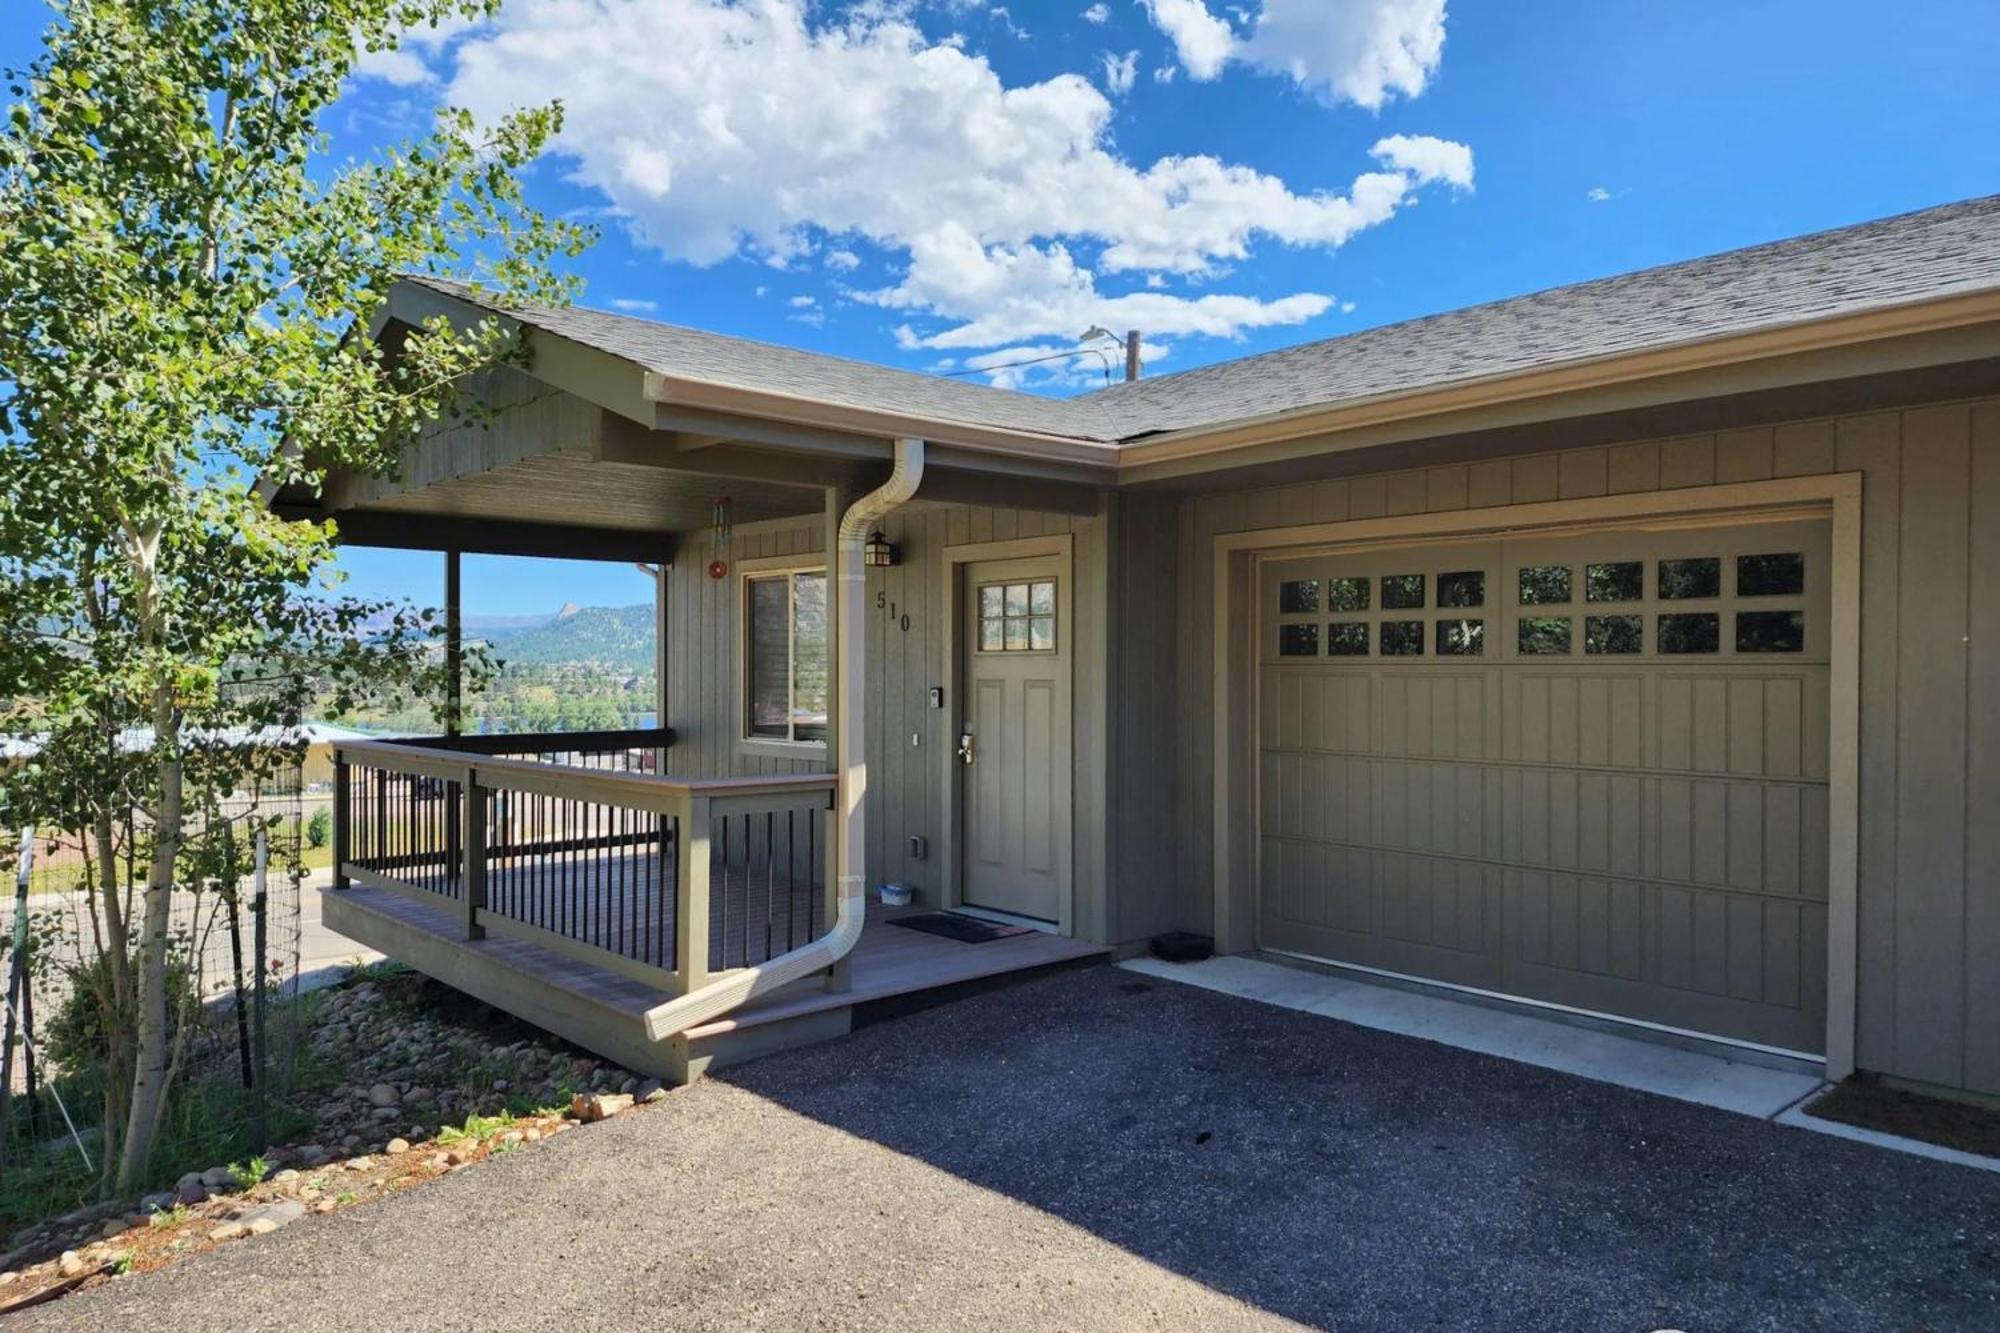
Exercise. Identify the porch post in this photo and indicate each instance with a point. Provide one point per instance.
(454, 644)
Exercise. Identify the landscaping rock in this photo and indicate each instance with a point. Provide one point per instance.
(396, 1147)
(216, 1178)
(189, 1193)
(266, 1218)
(598, 1105)
(229, 1231)
(652, 1090)
(71, 1264)
(383, 1095)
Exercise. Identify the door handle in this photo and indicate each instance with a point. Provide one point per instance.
(965, 747)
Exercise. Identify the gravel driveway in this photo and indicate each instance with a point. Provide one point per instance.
(1095, 1150)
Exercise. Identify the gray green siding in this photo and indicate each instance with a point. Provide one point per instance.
(1929, 967)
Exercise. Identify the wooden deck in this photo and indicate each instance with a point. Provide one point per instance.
(602, 1010)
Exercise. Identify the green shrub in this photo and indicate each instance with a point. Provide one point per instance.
(78, 1036)
(319, 829)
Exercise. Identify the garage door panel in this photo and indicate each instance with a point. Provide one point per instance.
(1617, 826)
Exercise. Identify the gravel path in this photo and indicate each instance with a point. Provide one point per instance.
(1099, 1151)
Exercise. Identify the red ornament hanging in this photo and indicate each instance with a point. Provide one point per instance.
(720, 524)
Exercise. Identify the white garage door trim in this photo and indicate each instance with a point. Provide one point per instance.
(1238, 555)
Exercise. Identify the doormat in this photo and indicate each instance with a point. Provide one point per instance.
(964, 929)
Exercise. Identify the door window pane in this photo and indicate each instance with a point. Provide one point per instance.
(1465, 588)
(1347, 594)
(1297, 597)
(1777, 575)
(1770, 631)
(1298, 640)
(1544, 636)
(1614, 635)
(1616, 581)
(1018, 617)
(1691, 632)
(1461, 638)
(1402, 638)
(1402, 592)
(1347, 638)
(1681, 580)
(1544, 585)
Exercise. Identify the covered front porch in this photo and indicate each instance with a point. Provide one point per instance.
(570, 881)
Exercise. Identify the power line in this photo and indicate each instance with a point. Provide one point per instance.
(1035, 361)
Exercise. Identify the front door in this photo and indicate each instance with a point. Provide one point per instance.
(1014, 737)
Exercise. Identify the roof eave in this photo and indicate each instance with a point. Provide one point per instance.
(799, 410)
(1215, 441)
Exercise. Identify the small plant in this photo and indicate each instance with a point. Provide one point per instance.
(345, 1197)
(122, 1264)
(477, 1128)
(319, 829)
(249, 1173)
(166, 1217)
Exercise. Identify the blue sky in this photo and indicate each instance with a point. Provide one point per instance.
(954, 184)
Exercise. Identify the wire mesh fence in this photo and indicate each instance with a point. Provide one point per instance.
(233, 990)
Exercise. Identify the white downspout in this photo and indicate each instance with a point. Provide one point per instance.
(850, 766)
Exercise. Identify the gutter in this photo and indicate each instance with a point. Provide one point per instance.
(850, 769)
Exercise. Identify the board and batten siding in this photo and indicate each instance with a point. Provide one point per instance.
(905, 796)
(1929, 863)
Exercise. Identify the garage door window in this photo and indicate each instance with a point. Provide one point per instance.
(1402, 592)
(1544, 585)
(1614, 635)
(1777, 575)
(1402, 638)
(1688, 580)
(1691, 632)
(1347, 638)
(1544, 636)
(1617, 581)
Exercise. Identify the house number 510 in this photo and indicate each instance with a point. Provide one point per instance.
(882, 603)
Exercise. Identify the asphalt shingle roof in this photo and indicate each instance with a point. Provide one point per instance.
(1917, 256)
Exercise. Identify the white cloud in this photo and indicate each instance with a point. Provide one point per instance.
(1427, 160)
(408, 63)
(842, 261)
(1598, 194)
(1097, 13)
(1120, 72)
(1009, 203)
(1359, 51)
(802, 302)
(634, 306)
(1203, 42)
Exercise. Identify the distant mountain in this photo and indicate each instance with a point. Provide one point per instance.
(618, 638)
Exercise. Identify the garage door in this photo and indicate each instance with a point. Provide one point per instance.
(1590, 770)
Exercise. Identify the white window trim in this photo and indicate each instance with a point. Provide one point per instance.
(768, 567)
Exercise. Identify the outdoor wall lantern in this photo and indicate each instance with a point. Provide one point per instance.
(879, 553)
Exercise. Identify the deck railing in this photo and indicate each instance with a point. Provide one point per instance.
(585, 848)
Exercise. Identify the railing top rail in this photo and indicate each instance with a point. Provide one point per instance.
(625, 738)
(583, 783)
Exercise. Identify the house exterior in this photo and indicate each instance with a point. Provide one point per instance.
(1630, 648)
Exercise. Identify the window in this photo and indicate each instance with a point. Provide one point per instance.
(1618, 581)
(1403, 638)
(1770, 632)
(1298, 640)
(1543, 585)
(785, 663)
(1544, 636)
(1347, 638)
(1613, 635)
(1347, 594)
(1699, 576)
(1402, 592)
(1466, 588)
(1690, 632)
(1779, 575)
(1021, 617)
(1298, 597)
(1461, 638)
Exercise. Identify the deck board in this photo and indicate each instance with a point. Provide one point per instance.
(888, 961)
